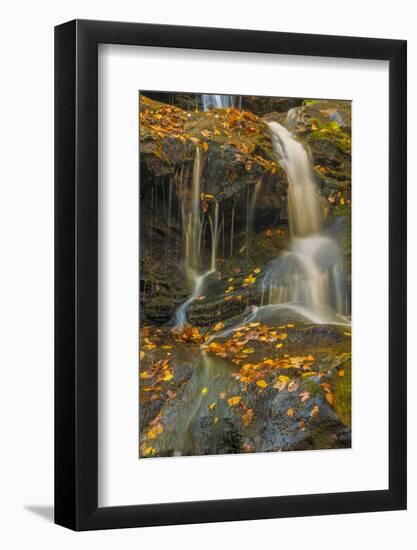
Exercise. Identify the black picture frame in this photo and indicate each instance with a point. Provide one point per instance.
(76, 272)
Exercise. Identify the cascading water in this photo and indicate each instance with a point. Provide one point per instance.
(220, 101)
(308, 278)
(193, 229)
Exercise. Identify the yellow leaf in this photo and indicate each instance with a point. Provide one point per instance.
(204, 391)
(341, 372)
(204, 145)
(347, 333)
(248, 350)
(283, 378)
(290, 325)
(158, 429)
(307, 374)
(216, 419)
(261, 383)
(149, 451)
(144, 375)
(150, 346)
(256, 270)
(222, 395)
(278, 346)
(211, 406)
(234, 400)
(229, 289)
(168, 376)
(230, 279)
(218, 326)
(282, 336)
(290, 412)
(314, 411)
(329, 397)
(142, 355)
(247, 417)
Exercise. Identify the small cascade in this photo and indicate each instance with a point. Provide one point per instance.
(307, 278)
(220, 101)
(194, 230)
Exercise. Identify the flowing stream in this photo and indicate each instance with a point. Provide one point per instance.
(308, 277)
(211, 101)
(193, 229)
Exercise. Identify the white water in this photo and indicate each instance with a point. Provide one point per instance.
(193, 227)
(308, 277)
(220, 101)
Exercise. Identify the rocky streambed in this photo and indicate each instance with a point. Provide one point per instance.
(236, 376)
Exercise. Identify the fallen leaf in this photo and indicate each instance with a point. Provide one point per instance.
(329, 397)
(290, 412)
(305, 395)
(234, 400)
(204, 391)
(212, 405)
(314, 411)
(222, 395)
(157, 430)
(142, 355)
(218, 326)
(247, 417)
(261, 383)
(278, 346)
(168, 376)
(149, 451)
(256, 270)
(290, 325)
(341, 372)
(293, 386)
(282, 336)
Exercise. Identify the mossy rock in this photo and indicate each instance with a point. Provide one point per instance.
(343, 393)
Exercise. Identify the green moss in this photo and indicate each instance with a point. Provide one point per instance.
(343, 394)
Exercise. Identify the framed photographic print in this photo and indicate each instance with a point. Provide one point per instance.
(230, 275)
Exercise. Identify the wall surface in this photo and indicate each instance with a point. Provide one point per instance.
(26, 287)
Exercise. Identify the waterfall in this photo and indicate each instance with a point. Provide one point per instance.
(220, 101)
(193, 230)
(307, 278)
